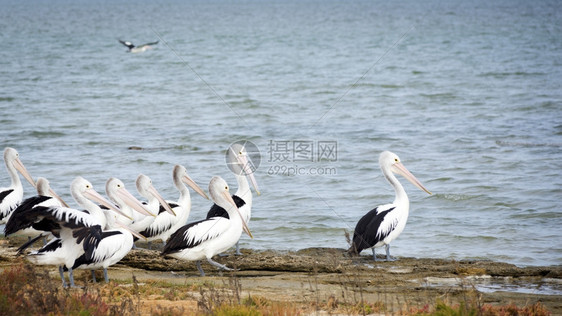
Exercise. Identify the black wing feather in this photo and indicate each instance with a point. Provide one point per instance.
(177, 242)
(4, 194)
(23, 216)
(365, 233)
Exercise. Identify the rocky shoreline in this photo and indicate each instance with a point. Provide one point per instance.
(318, 276)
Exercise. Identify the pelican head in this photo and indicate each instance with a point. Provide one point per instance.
(180, 174)
(44, 189)
(242, 164)
(81, 187)
(115, 189)
(390, 161)
(12, 159)
(220, 194)
(146, 189)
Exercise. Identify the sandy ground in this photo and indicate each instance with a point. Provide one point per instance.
(322, 277)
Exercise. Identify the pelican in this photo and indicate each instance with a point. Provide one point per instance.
(242, 166)
(385, 222)
(46, 197)
(139, 48)
(155, 200)
(165, 224)
(11, 197)
(127, 203)
(104, 248)
(206, 238)
(62, 222)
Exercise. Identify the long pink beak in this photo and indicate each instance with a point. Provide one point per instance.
(401, 170)
(130, 200)
(152, 190)
(118, 223)
(246, 165)
(93, 195)
(187, 179)
(244, 225)
(21, 168)
(56, 196)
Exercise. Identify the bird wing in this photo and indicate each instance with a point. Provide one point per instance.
(193, 234)
(53, 219)
(373, 227)
(163, 222)
(98, 245)
(149, 44)
(8, 202)
(127, 43)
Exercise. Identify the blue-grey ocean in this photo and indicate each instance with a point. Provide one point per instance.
(467, 93)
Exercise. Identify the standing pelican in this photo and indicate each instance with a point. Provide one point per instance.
(206, 238)
(104, 247)
(10, 197)
(62, 222)
(241, 165)
(166, 224)
(139, 48)
(385, 222)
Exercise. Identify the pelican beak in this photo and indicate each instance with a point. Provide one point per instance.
(194, 186)
(56, 196)
(21, 168)
(118, 223)
(130, 200)
(401, 170)
(244, 225)
(93, 195)
(246, 164)
(152, 190)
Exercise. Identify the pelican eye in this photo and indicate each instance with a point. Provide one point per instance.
(395, 159)
(226, 188)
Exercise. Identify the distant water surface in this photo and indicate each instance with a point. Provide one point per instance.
(467, 93)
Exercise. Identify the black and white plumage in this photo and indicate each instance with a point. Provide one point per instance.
(165, 223)
(104, 247)
(154, 202)
(138, 49)
(384, 223)
(241, 164)
(11, 196)
(62, 222)
(45, 197)
(204, 239)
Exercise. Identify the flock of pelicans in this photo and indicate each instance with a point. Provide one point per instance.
(103, 231)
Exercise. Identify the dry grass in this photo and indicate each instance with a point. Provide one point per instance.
(28, 290)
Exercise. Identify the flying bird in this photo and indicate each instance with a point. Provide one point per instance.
(139, 48)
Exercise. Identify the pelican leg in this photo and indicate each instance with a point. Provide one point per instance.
(94, 276)
(105, 275)
(374, 255)
(200, 269)
(238, 253)
(71, 278)
(388, 257)
(218, 265)
(61, 272)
